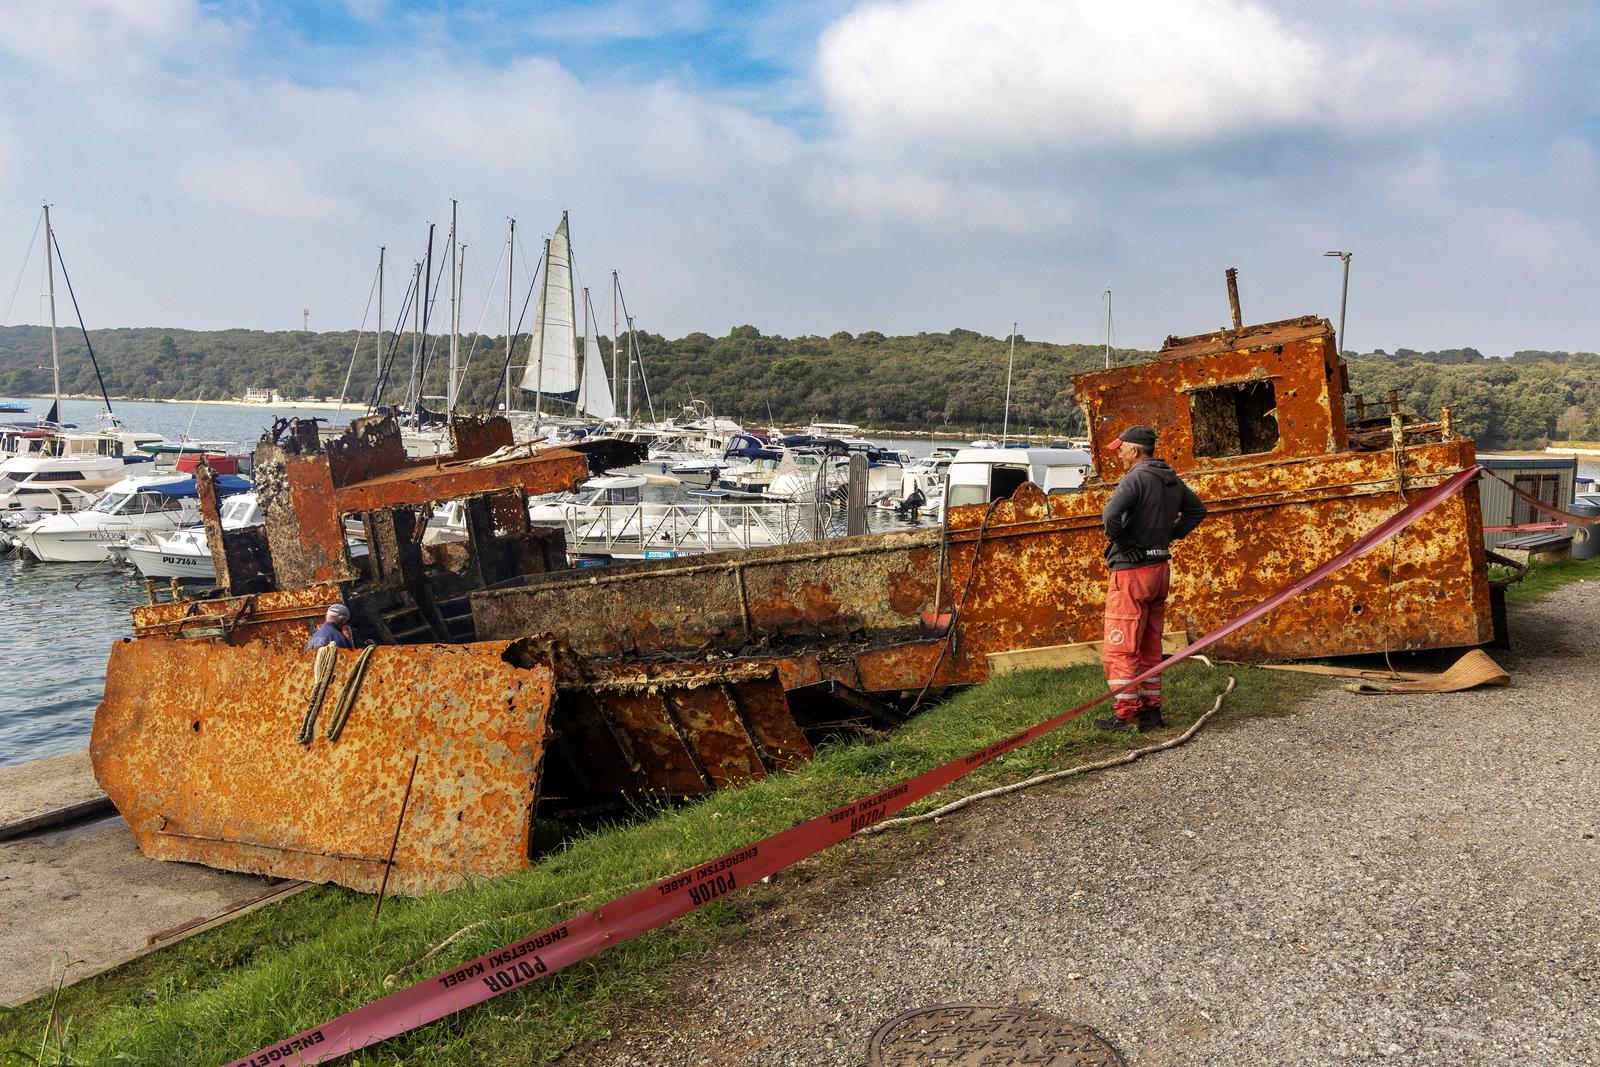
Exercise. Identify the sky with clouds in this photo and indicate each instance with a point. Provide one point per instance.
(898, 165)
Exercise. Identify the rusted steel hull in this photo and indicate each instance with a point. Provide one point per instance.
(196, 744)
(1040, 580)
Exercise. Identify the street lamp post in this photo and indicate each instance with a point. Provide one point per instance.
(1344, 293)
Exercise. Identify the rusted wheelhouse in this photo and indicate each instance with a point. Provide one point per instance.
(522, 686)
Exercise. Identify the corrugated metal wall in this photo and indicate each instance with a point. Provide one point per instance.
(1501, 507)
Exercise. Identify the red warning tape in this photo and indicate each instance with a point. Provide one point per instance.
(582, 936)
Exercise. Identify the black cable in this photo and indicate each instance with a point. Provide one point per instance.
(84, 329)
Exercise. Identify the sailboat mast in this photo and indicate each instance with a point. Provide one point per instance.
(420, 346)
(1108, 329)
(538, 372)
(413, 402)
(616, 353)
(1005, 420)
(50, 272)
(583, 375)
(455, 322)
(511, 264)
(381, 369)
(461, 302)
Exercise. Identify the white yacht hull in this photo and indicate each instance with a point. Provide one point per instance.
(83, 544)
(162, 561)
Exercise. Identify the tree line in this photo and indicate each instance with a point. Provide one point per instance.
(951, 381)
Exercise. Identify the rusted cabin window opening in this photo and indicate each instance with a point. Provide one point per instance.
(1545, 487)
(1240, 419)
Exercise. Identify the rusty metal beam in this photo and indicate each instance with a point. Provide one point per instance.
(546, 471)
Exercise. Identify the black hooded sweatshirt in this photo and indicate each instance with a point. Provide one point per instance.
(1150, 509)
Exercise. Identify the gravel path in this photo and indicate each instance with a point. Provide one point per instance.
(1405, 879)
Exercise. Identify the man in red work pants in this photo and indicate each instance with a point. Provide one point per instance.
(1150, 509)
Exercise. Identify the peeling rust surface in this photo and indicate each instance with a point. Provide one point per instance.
(195, 742)
(473, 436)
(547, 471)
(304, 531)
(661, 757)
(812, 590)
(370, 447)
(306, 491)
(684, 729)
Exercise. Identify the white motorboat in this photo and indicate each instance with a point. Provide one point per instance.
(34, 485)
(978, 475)
(805, 477)
(593, 495)
(184, 553)
(693, 442)
(159, 502)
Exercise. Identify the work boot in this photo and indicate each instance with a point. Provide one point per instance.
(1150, 718)
(1115, 724)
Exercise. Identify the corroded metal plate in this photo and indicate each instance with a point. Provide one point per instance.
(969, 1035)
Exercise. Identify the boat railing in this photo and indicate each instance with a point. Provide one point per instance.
(693, 527)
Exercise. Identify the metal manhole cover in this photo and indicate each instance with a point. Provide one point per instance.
(976, 1035)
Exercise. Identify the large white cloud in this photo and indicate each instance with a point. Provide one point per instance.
(953, 79)
(962, 164)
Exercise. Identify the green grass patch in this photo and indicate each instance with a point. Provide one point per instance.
(1544, 578)
(231, 990)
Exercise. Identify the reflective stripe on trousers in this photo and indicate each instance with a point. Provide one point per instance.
(1136, 615)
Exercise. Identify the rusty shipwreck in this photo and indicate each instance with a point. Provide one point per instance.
(524, 687)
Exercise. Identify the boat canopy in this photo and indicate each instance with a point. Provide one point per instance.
(227, 485)
(749, 446)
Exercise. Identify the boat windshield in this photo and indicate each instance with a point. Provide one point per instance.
(112, 503)
(150, 502)
(7, 483)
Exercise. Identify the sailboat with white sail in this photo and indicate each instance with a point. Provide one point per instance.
(564, 366)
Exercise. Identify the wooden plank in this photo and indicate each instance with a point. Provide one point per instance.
(1051, 656)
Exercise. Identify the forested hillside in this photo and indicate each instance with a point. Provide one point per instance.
(930, 381)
